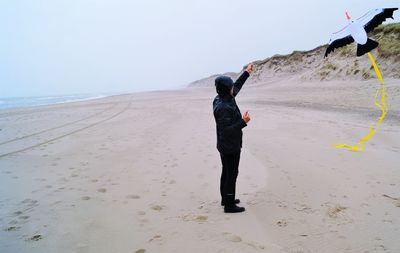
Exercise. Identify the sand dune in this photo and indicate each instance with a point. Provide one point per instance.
(340, 66)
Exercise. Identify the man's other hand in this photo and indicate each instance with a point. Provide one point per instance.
(246, 117)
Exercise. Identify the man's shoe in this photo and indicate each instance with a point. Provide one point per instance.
(237, 201)
(234, 209)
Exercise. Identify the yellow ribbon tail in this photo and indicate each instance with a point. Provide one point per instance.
(382, 106)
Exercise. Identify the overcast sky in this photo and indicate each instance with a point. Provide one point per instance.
(51, 47)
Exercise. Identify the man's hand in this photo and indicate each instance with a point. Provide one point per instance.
(246, 117)
(250, 68)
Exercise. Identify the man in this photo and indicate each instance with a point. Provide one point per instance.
(229, 123)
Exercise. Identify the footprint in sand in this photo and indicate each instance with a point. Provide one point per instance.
(201, 218)
(231, 237)
(36, 238)
(141, 213)
(396, 201)
(12, 228)
(85, 198)
(380, 248)
(335, 211)
(282, 223)
(132, 196)
(303, 208)
(281, 204)
(102, 190)
(156, 239)
(30, 202)
(24, 217)
(140, 251)
(156, 207)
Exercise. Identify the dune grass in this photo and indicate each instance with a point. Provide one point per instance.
(388, 37)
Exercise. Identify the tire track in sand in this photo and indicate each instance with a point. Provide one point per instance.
(60, 126)
(69, 133)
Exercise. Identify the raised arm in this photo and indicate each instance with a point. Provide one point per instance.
(237, 86)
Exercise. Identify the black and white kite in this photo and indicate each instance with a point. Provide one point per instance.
(357, 31)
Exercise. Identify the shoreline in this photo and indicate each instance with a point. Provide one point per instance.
(20, 107)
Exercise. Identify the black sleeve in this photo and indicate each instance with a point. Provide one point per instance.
(239, 82)
(224, 118)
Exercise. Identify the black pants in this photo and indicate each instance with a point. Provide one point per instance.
(230, 170)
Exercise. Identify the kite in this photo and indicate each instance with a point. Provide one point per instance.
(358, 31)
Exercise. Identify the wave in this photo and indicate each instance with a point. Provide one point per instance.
(11, 103)
(81, 99)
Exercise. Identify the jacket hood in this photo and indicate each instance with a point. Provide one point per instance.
(223, 85)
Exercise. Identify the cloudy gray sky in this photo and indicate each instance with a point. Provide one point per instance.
(51, 47)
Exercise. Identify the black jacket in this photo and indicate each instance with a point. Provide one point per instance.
(227, 115)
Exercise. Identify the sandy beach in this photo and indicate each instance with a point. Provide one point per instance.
(140, 173)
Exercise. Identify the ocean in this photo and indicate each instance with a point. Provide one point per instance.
(20, 102)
